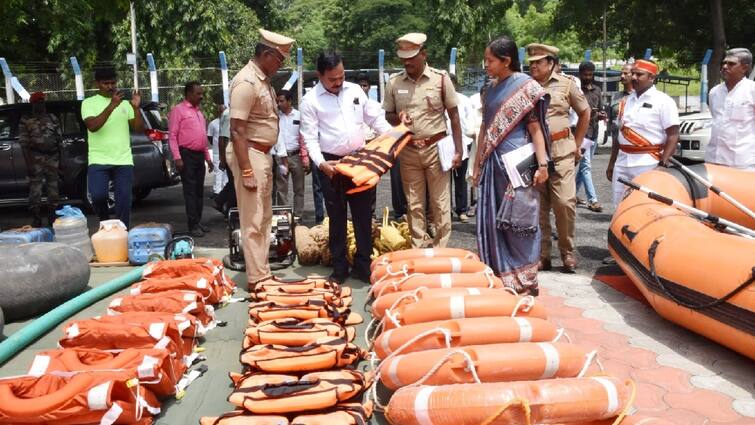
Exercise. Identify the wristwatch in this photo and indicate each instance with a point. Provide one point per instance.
(543, 165)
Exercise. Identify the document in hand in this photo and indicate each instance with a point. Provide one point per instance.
(586, 145)
(520, 165)
(446, 151)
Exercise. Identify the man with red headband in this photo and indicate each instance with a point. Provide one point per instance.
(648, 128)
(40, 136)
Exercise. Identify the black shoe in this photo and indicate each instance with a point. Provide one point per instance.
(196, 232)
(36, 221)
(361, 276)
(218, 206)
(203, 228)
(338, 277)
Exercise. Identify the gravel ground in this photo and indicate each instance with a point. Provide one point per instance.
(166, 205)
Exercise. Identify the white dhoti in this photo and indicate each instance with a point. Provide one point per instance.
(628, 173)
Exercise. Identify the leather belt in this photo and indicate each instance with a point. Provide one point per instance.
(421, 143)
(259, 146)
(563, 134)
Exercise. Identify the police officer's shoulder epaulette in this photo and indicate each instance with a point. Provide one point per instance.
(249, 80)
(398, 74)
(441, 72)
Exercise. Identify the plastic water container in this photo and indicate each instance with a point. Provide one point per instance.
(26, 234)
(147, 239)
(71, 229)
(111, 242)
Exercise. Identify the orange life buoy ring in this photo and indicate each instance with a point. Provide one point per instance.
(432, 265)
(393, 300)
(457, 307)
(517, 361)
(485, 279)
(524, 402)
(410, 254)
(463, 332)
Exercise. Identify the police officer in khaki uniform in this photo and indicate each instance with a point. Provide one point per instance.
(419, 96)
(254, 131)
(560, 192)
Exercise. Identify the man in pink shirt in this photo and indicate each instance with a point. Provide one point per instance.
(188, 143)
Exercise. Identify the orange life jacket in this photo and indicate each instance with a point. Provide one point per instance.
(76, 398)
(295, 332)
(279, 394)
(211, 267)
(270, 310)
(154, 368)
(342, 414)
(310, 282)
(291, 296)
(374, 159)
(322, 354)
(173, 301)
(176, 333)
(200, 283)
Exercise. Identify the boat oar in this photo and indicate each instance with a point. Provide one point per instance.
(690, 210)
(714, 189)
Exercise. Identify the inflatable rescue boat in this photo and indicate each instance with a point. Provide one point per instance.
(696, 273)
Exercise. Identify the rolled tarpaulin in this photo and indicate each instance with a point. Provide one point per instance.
(29, 333)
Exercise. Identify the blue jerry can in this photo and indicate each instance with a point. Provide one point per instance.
(26, 234)
(146, 240)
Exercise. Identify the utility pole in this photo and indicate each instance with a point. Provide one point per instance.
(133, 46)
(605, 48)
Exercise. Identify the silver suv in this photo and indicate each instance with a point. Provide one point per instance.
(694, 135)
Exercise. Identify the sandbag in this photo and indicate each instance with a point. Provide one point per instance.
(306, 248)
(39, 276)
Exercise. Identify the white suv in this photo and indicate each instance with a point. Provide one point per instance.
(694, 135)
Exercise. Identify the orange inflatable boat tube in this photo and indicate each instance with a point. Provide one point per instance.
(464, 332)
(691, 273)
(552, 401)
(415, 253)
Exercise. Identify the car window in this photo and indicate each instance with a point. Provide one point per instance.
(4, 127)
(156, 120)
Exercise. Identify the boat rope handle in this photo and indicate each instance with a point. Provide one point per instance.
(591, 357)
(658, 281)
(396, 285)
(630, 403)
(446, 336)
(467, 359)
(510, 290)
(522, 403)
(559, 333)
(527, 302)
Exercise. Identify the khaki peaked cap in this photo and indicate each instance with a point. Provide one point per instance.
(537, 51)
(409, 45)
(279, 42)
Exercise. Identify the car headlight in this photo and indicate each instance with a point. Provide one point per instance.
(701, 125)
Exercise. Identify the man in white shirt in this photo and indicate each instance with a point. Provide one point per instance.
(287, 153)
(213, 137)
(648, 129)
(332, 115)
(732, 105)
(458, 176)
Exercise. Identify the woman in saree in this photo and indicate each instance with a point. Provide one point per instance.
(513, 111)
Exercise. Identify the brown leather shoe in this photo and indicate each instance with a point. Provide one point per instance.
(544, 264)
(570, 262)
